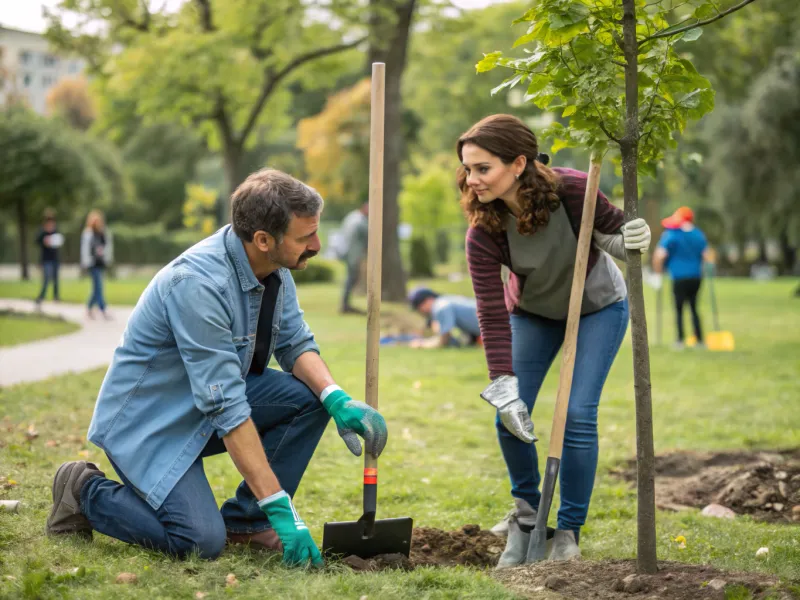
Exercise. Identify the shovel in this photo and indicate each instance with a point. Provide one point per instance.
(537, 547)
(368, 537)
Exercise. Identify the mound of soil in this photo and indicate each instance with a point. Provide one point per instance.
(765, 485)
(612, 580)
(433, 547)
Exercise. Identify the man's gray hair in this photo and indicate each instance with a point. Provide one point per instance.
(266, 202)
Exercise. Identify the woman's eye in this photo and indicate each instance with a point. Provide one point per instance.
(483, 170)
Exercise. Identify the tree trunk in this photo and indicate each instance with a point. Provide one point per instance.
(232, 159)
(394, 55)
(22, 224)
(645, 460)
(788, 252)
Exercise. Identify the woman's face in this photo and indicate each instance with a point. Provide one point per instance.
(487, 175)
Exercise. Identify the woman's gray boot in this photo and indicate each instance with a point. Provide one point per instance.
(565, 546)
(520, 523)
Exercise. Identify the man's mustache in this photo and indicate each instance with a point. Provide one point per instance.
(307, 254)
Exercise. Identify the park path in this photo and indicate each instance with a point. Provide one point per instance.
(88, 348)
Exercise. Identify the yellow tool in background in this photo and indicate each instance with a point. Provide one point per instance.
(716, 340)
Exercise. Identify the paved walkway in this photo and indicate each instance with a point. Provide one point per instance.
(89, 348)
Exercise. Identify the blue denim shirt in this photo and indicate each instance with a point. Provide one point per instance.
(178, 374)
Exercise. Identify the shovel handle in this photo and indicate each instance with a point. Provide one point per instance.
(574, 314)
(374, 262)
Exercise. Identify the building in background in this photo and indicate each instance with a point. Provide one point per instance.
(29, 68)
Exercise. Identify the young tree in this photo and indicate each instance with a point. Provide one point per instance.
(70, 99)
(613, 68)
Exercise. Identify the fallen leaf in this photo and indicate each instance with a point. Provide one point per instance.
(417, 385)
(31, 433)
(125, 578)
(230, 580)
(407, 434)
(51, 444)
(200, 595)
(762, 552)
(84, 453)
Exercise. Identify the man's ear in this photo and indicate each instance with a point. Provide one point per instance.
(263, 241)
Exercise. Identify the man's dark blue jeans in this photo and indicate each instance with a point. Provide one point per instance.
(290, 420)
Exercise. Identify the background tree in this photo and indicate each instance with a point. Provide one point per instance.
(613, 67)
(43, 164)
(70, 99)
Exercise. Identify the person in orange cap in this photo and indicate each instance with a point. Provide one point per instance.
(682, 249)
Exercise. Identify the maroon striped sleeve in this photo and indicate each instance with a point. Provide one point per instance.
(484, 258)
(607, 217)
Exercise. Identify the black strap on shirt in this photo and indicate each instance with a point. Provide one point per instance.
(272, 285)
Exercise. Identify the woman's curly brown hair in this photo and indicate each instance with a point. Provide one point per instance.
(507, 137)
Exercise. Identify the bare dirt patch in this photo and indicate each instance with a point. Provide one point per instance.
(469, 545)
(765, 485)
(613, 580)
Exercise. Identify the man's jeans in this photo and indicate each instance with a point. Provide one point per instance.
(290, 420)
(353, 272)
(50, 274)
(96, 297)
(535, 342)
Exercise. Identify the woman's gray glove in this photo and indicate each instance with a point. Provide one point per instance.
(503, 394)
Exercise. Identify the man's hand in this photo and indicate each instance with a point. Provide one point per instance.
(503, 394)
(298, 545)
(351, 418)
(636, 235)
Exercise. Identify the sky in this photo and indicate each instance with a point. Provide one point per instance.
(27, 14)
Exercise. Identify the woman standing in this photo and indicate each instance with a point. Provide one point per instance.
(96, 255)
(524, 219)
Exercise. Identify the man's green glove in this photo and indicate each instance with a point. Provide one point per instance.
(353, 417)
(298, 545)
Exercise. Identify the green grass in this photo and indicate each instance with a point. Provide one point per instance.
(442, 465)
(117, 291)
(19, 328)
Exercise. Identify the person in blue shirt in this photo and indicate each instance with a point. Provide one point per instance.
(682, 250)
(445, 315)
(189, 379)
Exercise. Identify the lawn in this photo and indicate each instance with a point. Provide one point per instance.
(442, 465)
(19, 328)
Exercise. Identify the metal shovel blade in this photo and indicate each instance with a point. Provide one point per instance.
(388, 536)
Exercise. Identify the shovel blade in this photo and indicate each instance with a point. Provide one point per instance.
(389, 536)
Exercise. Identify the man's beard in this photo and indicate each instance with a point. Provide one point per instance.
(302, 258)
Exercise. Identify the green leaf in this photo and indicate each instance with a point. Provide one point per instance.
(508, 83)
(560, 144)
(692, 34)
(569, 111)
(488, 62)
(704, 11)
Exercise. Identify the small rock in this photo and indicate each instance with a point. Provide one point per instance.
(618, 585)
(356, 563)
(777, 507)
(635, 584)
(717, 584)
(426, 548)
(364, 597)
(768, 505)
(781, 475)
(494, 549)
(719, 511)
(555, 582)
(231, 581)
(783, 488)
(762, 552)
(669, 576)
(471, 530)
(126, 578)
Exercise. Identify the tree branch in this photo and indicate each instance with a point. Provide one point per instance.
(670, 32)
(272, 78)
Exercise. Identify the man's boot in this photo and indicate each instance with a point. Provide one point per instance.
(66, 516)
(565, 545)
(266, 540)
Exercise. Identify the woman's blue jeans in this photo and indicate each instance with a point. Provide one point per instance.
(97, 288)
(535, 342)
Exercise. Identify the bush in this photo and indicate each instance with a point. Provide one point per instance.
(318, 270)
(420, 258)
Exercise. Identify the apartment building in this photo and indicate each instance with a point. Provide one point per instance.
(29, 67)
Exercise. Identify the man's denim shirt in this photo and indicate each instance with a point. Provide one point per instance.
(178, 374)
